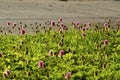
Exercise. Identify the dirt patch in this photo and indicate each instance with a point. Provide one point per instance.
(30, 11)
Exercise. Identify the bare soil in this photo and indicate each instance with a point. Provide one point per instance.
(30, 11)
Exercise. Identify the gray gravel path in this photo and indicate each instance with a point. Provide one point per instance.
(31, 11)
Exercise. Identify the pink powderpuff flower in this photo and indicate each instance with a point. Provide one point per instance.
(14, 24)
(65, 28)
(7, 73)
(22, 31)
(60, 20)
(52, 23)
(40, 64)
(77, 23)
(84, 28)
(68, 75)
(61, 25)
(105, 25)
(8, 23)
(105, 42)
(61, 52)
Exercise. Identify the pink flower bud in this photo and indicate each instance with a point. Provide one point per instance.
(105, 42)
(14, 24)
(61, 25)
(68, 75)
(105, 24)
(61, 52)
(60, 20)
(7, 73)
(8, 23)
(84, 28)
(22, 31)
(41, 64)
(65, 28)
(52, 23)
(77, 23)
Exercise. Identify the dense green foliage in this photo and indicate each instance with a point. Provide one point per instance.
(86, 57)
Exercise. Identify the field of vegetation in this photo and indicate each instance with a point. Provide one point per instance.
(56, 51)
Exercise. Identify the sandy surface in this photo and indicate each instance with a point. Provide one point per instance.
(30, 11)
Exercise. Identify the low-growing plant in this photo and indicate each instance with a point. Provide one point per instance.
(77, 53)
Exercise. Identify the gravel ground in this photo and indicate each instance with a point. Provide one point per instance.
(31, 11)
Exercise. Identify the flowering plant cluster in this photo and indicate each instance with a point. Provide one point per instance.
(56, 51)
